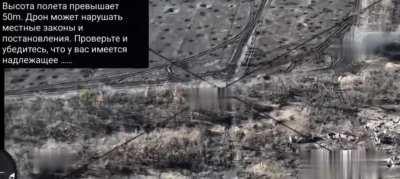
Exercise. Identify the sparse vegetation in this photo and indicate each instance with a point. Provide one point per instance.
(170, 121)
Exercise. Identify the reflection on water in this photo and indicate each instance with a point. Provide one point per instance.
(347, 164)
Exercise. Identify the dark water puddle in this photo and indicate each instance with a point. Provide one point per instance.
(347, 164)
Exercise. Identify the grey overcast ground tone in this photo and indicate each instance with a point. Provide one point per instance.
(235, 89)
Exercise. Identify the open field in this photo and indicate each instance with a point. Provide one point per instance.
(235, 88)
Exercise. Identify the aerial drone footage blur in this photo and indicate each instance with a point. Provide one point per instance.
(275, 89)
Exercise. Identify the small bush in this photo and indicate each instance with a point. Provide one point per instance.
(87, 98)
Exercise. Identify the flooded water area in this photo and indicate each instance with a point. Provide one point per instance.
(347, 164)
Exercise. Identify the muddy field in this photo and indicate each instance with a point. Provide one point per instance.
(235, 89)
